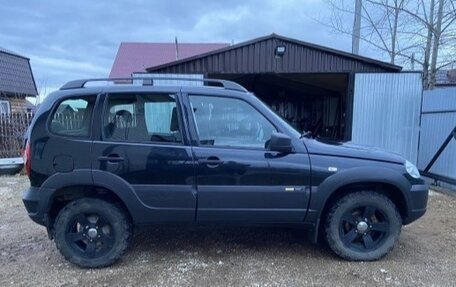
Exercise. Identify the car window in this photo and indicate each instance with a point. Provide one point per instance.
(142, 117)
(72, 117)
(232, 122)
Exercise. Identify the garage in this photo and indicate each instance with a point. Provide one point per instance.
(311, 86)
(333, 94)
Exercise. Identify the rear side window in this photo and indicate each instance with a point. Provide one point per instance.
(72, 117)
(142, 118)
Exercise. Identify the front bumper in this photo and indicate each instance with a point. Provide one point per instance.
(418, 202)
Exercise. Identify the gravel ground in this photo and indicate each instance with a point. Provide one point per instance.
(165, 256)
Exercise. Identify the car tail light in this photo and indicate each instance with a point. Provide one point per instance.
(27, 158)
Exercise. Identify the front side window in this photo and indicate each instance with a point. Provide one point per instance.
(73, 117)
(142, 118)
(230, 122)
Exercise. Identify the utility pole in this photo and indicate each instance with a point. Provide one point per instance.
(177, 48)
(356, 34)
(413, 61)
(435, 45)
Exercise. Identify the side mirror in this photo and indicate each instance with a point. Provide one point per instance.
(280, 142)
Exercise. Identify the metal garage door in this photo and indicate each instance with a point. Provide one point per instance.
(438, 123)
(386, 112)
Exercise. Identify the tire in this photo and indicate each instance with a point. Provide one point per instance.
(92, 233)
(363, 226)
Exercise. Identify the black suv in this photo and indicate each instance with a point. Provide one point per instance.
(102, 159)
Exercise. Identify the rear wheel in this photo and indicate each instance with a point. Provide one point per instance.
(363, 226)
(92, 232)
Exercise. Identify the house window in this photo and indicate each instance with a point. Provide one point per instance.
(5, 107)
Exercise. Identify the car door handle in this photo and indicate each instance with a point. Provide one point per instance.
(111, 158)
(211, 161)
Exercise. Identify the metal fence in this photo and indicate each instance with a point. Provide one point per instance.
(12, 129)
(437, 145)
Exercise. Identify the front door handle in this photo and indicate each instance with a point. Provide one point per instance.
(111, 158)
(211, 161)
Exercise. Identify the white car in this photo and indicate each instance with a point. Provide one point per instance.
(11, 165)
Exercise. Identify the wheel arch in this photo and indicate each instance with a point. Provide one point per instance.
(385, 181)
(389, 190)
(66, 194)
(67, 187)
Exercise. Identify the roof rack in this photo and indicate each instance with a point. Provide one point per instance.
(77, 84)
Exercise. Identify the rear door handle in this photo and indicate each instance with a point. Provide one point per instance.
(211, 161)
(111, 158)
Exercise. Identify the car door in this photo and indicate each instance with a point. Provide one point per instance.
(143, 142)
(238, 179)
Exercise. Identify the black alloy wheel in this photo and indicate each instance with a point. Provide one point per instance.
(363, 226)
(92, 233)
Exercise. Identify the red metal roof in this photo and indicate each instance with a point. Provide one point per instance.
(136, 57)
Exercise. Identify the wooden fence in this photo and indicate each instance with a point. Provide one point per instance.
(69, 121)
(12, 129)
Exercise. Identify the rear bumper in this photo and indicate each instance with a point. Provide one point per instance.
(36, 203)
(418, 202)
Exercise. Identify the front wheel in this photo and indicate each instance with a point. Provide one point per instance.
(363, 226)
(92, 233)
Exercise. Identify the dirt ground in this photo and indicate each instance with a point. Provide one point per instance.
(165, 256)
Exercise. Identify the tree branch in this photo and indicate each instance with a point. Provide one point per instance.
(446, 64)
(375, 29)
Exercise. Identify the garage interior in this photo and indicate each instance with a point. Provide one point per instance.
(311, 86)
(315, 103)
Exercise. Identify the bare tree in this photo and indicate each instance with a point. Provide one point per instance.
(404, 30)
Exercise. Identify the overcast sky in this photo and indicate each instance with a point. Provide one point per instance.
(68, 40)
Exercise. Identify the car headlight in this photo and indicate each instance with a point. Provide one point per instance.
(411, 169)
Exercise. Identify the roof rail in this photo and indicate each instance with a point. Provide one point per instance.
(77, 84)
